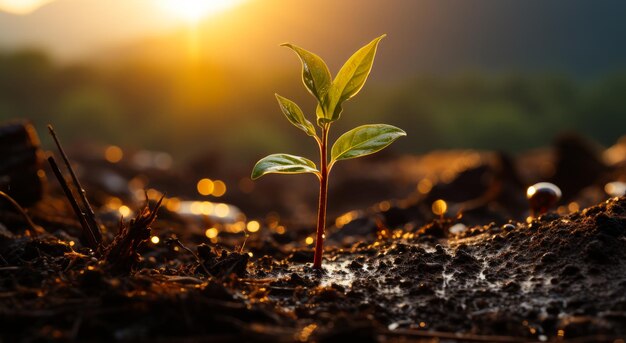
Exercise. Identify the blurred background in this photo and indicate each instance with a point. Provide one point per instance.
(194, 81)
(190, 76)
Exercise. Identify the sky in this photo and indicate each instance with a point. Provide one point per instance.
(186, 8)
(569, 36)
(75, 29)
(21, 6)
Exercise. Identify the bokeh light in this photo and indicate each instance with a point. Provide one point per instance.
(113, 154)
(211, 233)
(253, 226)
(439, 207)
(205, 186)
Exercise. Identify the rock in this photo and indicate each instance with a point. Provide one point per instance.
(578, 163)
(21, 161)
(224, 264)
(301, 256)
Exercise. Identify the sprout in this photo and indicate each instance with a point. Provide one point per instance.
(330, 95)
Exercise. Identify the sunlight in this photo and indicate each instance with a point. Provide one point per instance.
(21, 6)
(194, 10)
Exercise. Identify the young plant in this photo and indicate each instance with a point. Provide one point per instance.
(330, 95)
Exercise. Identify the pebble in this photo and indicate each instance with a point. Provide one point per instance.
(508, 227)
(542, 196)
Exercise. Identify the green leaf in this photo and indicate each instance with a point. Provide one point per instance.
(295, 115)
(349, 81)
(283, 164)
(364, 140)
(315, 74)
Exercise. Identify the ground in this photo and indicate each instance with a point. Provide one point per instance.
(392, 271)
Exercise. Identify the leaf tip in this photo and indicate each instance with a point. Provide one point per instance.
(379, 38)
(255, 173)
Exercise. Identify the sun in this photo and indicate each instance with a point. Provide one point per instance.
(194, 10)
(21, 6)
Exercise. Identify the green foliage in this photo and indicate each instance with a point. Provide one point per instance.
(295, 115)
(315, 74)
(364, 140)
(361, 141)
(283, 164)
(348, 83)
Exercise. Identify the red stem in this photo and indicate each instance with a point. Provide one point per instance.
(321, 210)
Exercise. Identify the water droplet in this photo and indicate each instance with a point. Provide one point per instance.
(542, 196)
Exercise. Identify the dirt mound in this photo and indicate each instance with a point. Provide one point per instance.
(556, 276)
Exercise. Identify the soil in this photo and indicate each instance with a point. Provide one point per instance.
(392, 271)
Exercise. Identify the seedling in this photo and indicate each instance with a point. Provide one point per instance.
(330, 95)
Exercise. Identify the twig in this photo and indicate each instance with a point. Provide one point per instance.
(90, 215)
(257, 281)
(180, 244)
(91, 240)
(122, 254)
(19, 208)
(244, 241)
(9, 268)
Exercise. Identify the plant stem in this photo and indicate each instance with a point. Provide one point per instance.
(321, 210)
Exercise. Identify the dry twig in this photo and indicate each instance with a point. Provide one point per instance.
(122, 254)
(89, 237)
(90, 216)
(35, 229)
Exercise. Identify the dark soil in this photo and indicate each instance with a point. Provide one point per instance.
(557, 276)
(392, 272)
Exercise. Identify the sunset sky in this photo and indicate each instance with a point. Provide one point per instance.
(21, 6)
(212, 61)
(446, 35)
(188, 9)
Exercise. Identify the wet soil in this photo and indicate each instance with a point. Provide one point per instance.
(392, 271)
(557, 276)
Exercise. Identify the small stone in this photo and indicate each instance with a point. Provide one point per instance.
(508, 227)
(541, 197)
